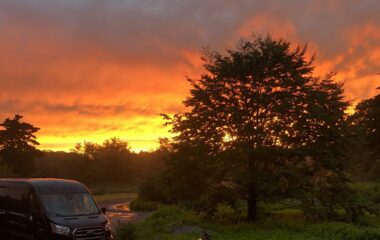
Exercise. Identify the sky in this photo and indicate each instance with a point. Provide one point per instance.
(96, 69)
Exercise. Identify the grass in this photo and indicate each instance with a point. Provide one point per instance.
(368, 192)
(167, 223)
(284, 221)
(328, 231)
(111, 188)
(109, 197)
(108, 192)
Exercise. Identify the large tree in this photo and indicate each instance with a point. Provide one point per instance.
(366, 121)
(275, 127)
(112, 159)
(18, 145)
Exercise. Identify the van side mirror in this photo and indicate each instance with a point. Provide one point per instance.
(104, 210)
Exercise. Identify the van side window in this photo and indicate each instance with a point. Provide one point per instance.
(17, 201)
(15, 197)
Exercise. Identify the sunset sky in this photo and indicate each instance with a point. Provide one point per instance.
(95, 69)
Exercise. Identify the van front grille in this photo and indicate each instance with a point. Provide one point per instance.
(89, 233)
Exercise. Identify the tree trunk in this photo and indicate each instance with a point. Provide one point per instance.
(252, 205)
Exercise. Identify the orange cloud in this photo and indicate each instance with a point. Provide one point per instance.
(91, 70)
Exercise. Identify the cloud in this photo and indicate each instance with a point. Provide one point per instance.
(87, 110)
(77, 68)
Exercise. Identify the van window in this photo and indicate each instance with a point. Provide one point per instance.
(14, 197)
(70, 204)
(17, 201)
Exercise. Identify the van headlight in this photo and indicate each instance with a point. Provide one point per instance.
(61, 230)
(107, 227)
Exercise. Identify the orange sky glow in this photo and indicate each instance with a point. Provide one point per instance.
(92, 69)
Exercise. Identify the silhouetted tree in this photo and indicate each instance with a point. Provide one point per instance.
(366, 121)
(112, 160)
(18, 145)
(272, 126)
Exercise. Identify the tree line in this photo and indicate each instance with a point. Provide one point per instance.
(110, 162)
(260, 126)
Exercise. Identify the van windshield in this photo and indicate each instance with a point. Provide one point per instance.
(70, 204)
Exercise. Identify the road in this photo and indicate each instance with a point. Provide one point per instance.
(118, 213)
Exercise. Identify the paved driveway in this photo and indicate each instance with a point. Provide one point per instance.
(118, 213)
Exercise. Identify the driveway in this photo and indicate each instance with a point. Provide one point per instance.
(119, 213)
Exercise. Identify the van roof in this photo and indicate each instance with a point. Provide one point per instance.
(49, 185)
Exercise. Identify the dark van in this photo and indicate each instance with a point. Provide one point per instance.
(49, 209)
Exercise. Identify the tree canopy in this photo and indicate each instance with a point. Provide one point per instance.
(272, 125)
(18, 145)
(366, 122)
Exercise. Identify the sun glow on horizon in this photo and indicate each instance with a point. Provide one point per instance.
(145, 139)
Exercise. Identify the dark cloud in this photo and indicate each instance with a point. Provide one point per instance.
(87, 110)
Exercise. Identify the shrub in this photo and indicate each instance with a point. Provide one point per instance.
(126, 232)
(337, 231)
(286, 219)
(168, 218)
(225, 214)
(143, 205)
(152, 190)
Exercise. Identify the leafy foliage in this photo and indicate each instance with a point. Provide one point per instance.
(113, 154)
(18, 145)
(262, 125)
(126, 232)
(143, 205)
(112, 160)
(366, 126)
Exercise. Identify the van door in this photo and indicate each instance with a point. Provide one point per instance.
(3, 211)
(39, 225)
(17, 217)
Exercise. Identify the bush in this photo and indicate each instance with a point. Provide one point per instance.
(143, 205)
(225, 214)
(168, 218)
(152, 190)
(293, 219)
(337, 231)
(126, 232)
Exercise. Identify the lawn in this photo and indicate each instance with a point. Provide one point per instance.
(110, 197)
(284, 223)
(110, 192)
(174, 223)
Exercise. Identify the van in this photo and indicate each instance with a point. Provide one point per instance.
(50, 209)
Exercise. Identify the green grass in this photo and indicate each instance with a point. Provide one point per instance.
(329, 231)
(115, 196)
(108, 192)
(107, 188)
(285, 224)
(368, 192)
(283, 221)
